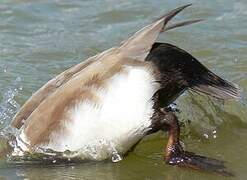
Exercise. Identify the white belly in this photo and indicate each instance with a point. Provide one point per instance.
(97, 131)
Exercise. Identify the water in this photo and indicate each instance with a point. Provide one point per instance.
(40, 39)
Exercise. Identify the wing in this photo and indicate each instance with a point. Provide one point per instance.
(49, 88)
(54, 109)
(46, 90)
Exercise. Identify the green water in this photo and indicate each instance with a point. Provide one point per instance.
(41, 38)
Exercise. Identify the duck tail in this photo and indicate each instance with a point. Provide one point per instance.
(139, 44)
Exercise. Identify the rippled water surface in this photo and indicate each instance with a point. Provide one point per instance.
(40, 39)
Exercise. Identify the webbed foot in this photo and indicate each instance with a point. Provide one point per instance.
(181, 158)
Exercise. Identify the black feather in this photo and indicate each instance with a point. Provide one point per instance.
(180, 71)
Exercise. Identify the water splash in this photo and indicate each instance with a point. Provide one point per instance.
(49, 156)
(116, 157)
(9, 106)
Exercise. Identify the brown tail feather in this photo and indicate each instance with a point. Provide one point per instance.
(183, 23)
(139, 45)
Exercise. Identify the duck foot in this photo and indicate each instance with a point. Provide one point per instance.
(175, 155)
(178, 157)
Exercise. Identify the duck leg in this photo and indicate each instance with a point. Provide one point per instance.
(174, 153)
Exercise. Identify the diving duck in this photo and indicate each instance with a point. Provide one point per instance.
(109, 102)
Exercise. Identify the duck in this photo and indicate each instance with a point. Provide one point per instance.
(105, 105)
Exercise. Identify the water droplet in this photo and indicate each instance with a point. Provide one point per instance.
(205, 135)
(174, 107)
(54, 161)
(116, 157)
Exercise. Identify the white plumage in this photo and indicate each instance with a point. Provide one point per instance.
(121, 118)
